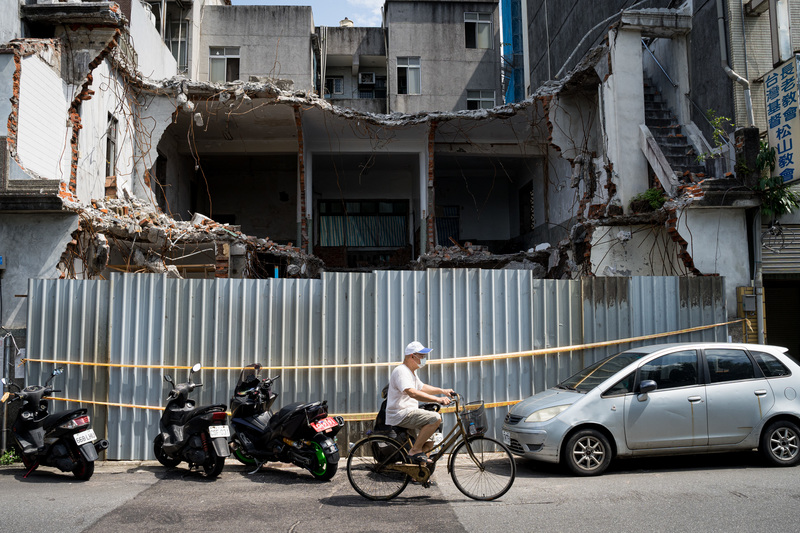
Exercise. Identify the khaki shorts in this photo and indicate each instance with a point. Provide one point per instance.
(418, 418)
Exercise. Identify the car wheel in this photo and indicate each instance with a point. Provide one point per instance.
(587, 453)
(780, 443)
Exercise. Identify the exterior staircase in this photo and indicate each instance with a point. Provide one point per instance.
(670, 137)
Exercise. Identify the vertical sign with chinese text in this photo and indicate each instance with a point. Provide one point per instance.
(783, 120)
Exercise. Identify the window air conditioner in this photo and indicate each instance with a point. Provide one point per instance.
(366, 78)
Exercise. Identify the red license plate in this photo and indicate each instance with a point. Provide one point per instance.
(325, 423)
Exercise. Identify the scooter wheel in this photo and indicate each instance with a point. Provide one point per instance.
(325, 469)
(84, 469)
(243, 457)
(214, 467)
(161, 457)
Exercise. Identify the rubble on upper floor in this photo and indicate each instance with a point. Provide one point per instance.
(158, 235)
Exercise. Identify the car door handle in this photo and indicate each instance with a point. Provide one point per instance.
(761, 392)
(695, 399)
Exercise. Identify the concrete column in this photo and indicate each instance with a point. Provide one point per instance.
(680, 70)
(431, 218)
(302, 241)
(624, 112)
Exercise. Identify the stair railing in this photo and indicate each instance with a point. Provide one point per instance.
(675, 85)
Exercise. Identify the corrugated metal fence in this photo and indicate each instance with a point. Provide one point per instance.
(341, 319)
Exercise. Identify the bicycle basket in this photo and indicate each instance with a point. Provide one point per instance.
(474, 418)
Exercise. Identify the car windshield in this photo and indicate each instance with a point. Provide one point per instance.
(592, 376)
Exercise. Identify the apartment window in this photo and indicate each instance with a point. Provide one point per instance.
(176, 41)
(223, 63)
(334, 85)
(111, 146)
(478, 30)
(408, 76)
(480, 99)
(781, 31)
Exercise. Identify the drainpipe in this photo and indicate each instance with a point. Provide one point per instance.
(758, 284)
(2, 389)
(723, 50)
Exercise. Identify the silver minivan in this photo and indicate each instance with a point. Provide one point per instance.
(664, 399)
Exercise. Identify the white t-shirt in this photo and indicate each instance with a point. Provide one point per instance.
(398, 403)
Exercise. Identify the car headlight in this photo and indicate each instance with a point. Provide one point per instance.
(543, 415)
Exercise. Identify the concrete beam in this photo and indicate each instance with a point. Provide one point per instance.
(659, 163)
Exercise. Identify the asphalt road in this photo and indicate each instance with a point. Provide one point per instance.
(700, 493)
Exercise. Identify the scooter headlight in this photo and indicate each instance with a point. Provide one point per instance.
(543, 415)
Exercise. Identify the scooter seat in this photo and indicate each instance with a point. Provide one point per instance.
(54, 419)
(181, 417)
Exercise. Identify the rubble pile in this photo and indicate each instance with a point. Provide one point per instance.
(544, 261)
(138, 221)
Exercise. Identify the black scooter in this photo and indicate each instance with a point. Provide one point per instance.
(64, 439)
(197, 435)
(300, 433)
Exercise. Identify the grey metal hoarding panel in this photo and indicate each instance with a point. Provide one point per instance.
(342, 319)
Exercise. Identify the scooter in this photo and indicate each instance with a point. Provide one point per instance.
(300, 433)
(64, 439)
(197, 435)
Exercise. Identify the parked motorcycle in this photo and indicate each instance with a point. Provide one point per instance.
(64, 439)
(300, 433)
(197, 435)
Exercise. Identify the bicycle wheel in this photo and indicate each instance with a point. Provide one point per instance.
(367, 472)
(488, 478)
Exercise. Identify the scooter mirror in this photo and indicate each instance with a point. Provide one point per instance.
(3, 381)
(196, 368)
(58, 371)
(168, 378)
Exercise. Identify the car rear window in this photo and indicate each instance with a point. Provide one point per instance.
(770, 365)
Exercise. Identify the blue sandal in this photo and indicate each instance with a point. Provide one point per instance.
(421, 458)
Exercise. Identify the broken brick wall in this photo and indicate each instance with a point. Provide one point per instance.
(38, 134)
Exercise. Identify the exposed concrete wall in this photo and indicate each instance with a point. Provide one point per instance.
(634, 251)
(157, 115)
(270, 185)
(273, 41)
(108, 99)
(671, 55)
(155, 60)
(356, 41)
(10, 23)
(43, 135)
(711, 88)
(434, 32)
(718, 243)
(177, 183)
(487, 213)
(555, 28)
(31, 246)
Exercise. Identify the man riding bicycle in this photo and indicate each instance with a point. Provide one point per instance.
(406, 390)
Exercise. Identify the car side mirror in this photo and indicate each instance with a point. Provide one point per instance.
(646, 386)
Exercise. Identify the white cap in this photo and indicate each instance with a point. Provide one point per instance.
(416, 347)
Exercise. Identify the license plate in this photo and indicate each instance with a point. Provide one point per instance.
(506, 438)
(219, 431)
(325, 423)
(84, 436)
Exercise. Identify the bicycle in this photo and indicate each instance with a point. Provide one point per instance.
(482, 468)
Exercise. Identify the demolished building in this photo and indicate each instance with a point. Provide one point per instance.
(112, 163)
